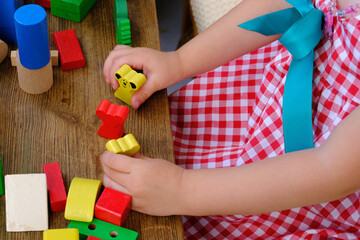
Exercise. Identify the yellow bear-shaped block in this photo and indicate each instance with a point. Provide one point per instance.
(126, 145)
(130, 81)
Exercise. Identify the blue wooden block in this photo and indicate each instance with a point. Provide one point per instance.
(32, 36)
(7, 24)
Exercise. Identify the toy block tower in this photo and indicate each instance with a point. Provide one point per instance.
(7, 24)
(3, 50)
(74, 10)
(33, 58)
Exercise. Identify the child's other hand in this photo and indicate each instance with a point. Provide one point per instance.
(162, 69)
(154, 184)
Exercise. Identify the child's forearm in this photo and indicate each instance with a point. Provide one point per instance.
(292, 180)
(224, 40)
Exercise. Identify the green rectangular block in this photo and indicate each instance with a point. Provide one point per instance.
(2, 186)
(103, 230)
(74, 10)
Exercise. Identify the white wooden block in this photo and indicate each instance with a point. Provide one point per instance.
(26, 202)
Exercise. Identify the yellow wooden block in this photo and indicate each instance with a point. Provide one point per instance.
(81, 199)
(126, 145)
(61, 234)
(130, 81)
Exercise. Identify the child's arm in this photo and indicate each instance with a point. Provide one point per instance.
(292, 180)
(220, 43)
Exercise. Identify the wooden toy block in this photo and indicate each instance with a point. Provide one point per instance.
(33, 56)
(7, 22)
(34, 81)
(113, 117)
(74, 10)
(55, 185)
(3, 50)
(126, 145)
(43, 3)
(61, 234)
(103, 230)
(2, 185)
(120, 9)
(93, 238)
(26, 202)
(71, 55)
(113, 207)
(130, 81)
(54, 56)
(81, 199)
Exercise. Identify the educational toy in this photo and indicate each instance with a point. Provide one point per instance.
(103, 230)
(43, 3)
(130, 81)
(61, 234)
(74, 10)
(113, 117)
(55, 185)
(54, 56)
(33, 63)
(123, 33)
(126, 145)
(81, 199)
(113, 207)
(3, 50)
(7, 23)
(26, 202)
(93, 238)
(71, 55)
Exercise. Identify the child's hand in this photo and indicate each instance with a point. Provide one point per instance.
(154, 184)
(162, 69)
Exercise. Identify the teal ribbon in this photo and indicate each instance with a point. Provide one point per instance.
(300, 27)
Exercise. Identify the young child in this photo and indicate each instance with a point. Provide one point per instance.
(233, 180)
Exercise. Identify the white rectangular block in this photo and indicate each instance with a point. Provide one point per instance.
(26, 202)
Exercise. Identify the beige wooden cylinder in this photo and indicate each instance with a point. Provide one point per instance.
(34, 81)
(3, 50)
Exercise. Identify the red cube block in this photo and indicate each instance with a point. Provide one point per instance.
(113, 207)
(43, 3)
(69, 49)
(93, 238)
(55, 185)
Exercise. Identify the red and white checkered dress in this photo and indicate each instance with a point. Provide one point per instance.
(232, 116)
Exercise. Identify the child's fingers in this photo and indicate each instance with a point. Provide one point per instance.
(143, 93)
(118, 162)
(108, 182)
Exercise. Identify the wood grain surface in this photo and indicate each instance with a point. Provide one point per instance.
(61, 125)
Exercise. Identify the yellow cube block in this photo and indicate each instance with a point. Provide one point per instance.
(81, 199)
(130, 81)
(61, 234)
(126, 145)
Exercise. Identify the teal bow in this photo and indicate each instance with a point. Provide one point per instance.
(300, 27)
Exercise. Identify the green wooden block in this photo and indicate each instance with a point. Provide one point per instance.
(103, 230)
(122, 23)
(74, 10)
(120, 9)
(2, 186)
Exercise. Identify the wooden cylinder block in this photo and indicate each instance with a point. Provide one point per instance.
(34, 81)
(3, 50)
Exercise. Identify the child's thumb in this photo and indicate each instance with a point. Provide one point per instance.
(142, 94)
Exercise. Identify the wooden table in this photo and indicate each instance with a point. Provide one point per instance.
(61, 125)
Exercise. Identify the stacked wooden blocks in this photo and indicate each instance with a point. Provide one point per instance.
(122, 23)
(74, 10)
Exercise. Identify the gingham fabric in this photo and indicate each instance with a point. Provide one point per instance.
(232, 116)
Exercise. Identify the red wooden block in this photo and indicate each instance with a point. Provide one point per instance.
(43, 3)
(113, 117)
(69, 49)
(113, 207)
(93, 238)
(55, 185)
